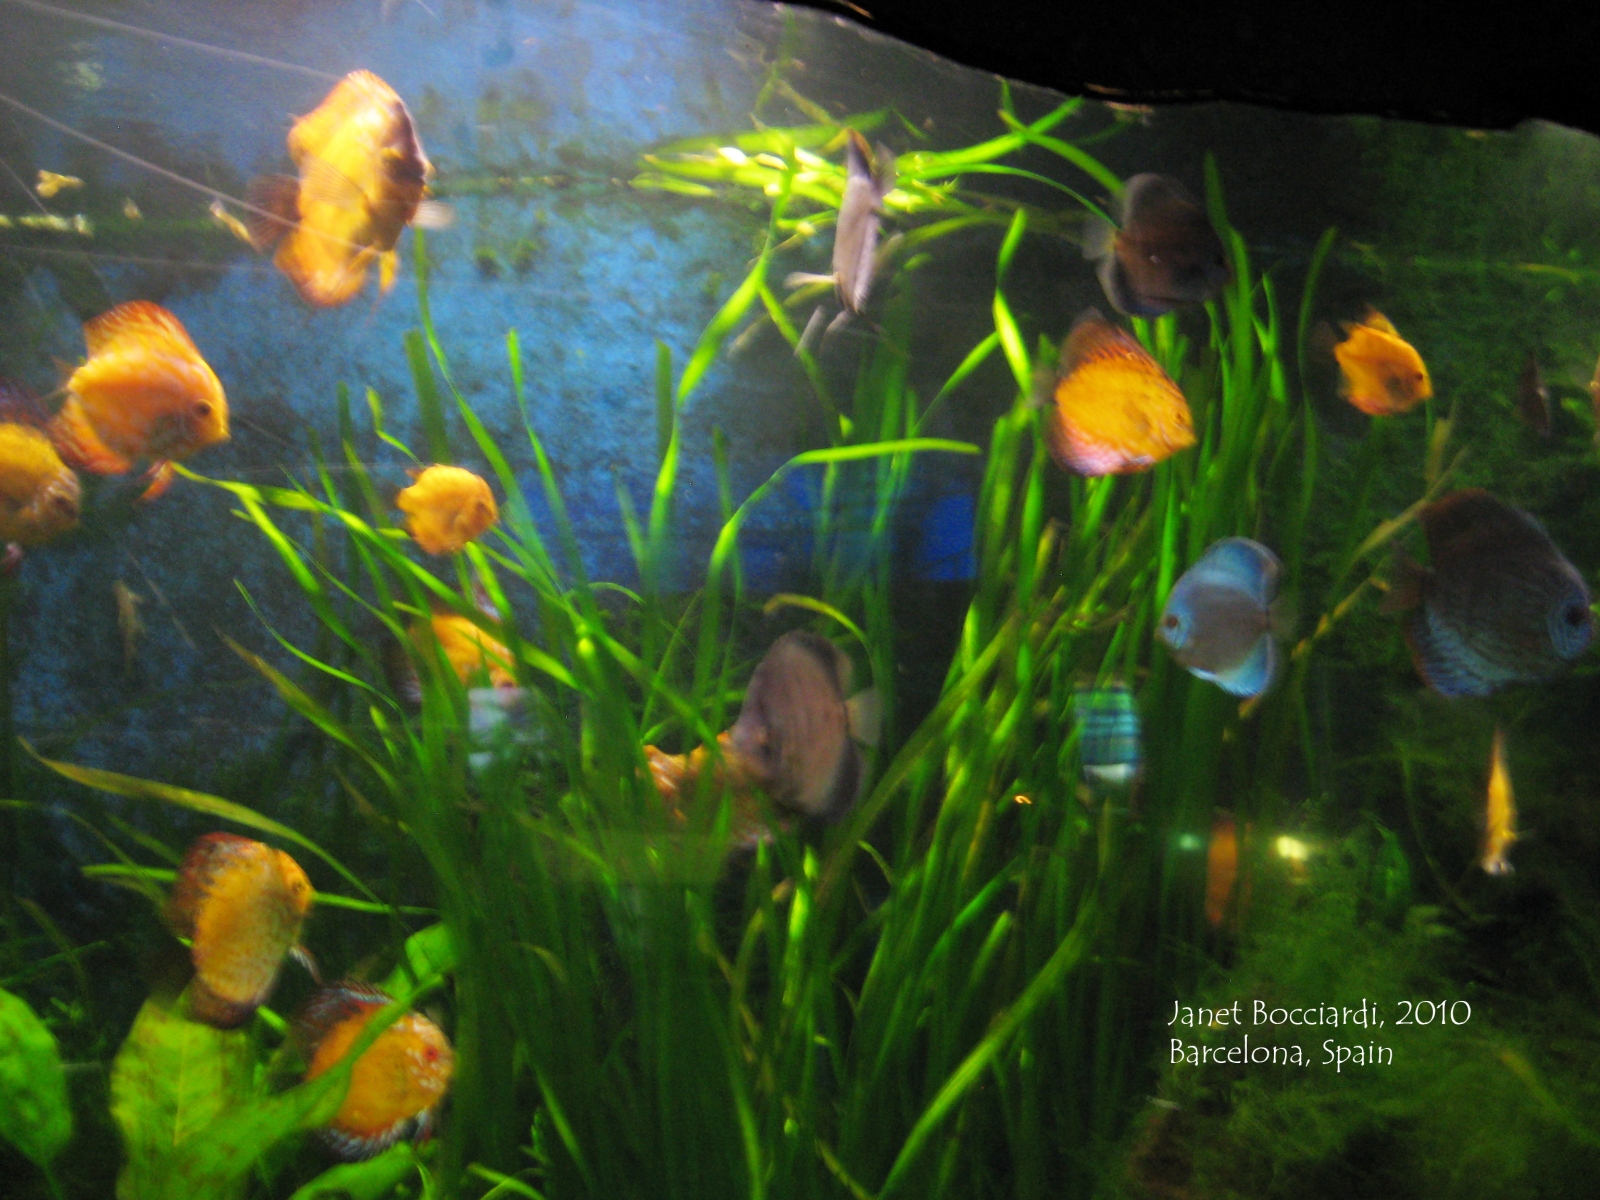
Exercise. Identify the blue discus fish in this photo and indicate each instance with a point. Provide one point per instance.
(1499, 605)
(1109, 747)
(1221, 617)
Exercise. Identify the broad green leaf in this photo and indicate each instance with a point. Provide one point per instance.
(34, 1114)
(428, 952)
(172, 1078)
(370, 1180)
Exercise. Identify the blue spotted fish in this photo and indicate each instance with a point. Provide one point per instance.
(1221, 619)
(1499, 604)
(1109, 745)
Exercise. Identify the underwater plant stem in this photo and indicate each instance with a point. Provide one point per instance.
(8, 737)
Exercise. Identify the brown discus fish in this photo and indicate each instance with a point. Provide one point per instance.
(1163, 252)
(1112, 410)
(363, 178)
(1498, 605)
(1533, 398)
(794, 732)
(241, 905)
(397, 1082)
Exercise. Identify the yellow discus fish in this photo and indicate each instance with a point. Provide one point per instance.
(39, 494)
(447, 507)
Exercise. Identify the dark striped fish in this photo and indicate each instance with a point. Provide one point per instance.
(1109, 746)
(1499, 605)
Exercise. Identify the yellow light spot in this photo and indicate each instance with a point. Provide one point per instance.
(1021, 799)
(1291, 848)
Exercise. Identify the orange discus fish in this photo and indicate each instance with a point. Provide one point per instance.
(447, 507)
(1383, 373)
(1222, 867)
(241, 905)
(468, 649)
(1113, 410)
(39, 494)
(1500, 816)
(144, 394)
(676, 777)
(362, 180)
(397, 1082)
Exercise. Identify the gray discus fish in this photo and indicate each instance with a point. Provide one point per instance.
(1499, 604)
(1163, 251)
(794, 730)
(1220, 617)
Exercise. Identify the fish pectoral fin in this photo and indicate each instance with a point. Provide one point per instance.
(323, 183)
(160, 475)
(434, 214)
(275, 200)
(796, 279)
(305, 958)
(388, 270)
(865, 713)
(80, 446)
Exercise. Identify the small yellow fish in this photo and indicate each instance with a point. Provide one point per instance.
(363, 177)
(1500, 816)
(50, 183)
(447, 507)
(396, 1083)
(241, 904)
(231, 223)
(144, 394)
(131, 210)
(39, 494)
(128, 623)
(1383, 373)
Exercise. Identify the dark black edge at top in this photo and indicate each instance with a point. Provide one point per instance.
(1482, 66)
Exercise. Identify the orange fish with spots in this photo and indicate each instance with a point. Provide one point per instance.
(397, 1082)
(39, 494)
(1111, 409)
(363, 178)
(144, 395)
(1383, 374)
(447, 507)
(241, 905)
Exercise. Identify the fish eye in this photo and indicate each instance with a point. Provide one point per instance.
(1576, 615)
(1170, 621)
(202, 409)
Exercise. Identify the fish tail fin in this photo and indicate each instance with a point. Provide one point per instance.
(1321, 340)
(808, 339)
(865, 713)
(211, 1009)
(1099, 235)
(1283, 616)
(1405, 588)
(434, 214)
(80, 446)
(160, 477)
(276, 199)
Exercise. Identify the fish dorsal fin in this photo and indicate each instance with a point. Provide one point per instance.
(137, 319)
(1376, 320)
(1094, 337)
(865, 712)
(323, 183)
(1240, 564)
(19, 406)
